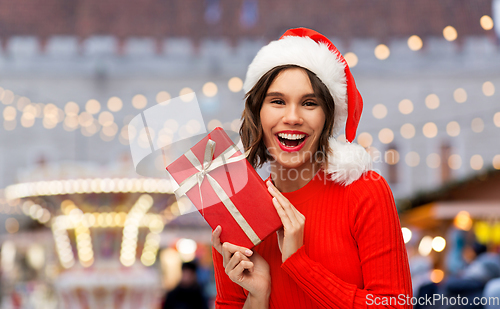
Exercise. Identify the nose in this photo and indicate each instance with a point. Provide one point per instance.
(292, 115)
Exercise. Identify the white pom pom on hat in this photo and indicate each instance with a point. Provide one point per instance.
(311, 50)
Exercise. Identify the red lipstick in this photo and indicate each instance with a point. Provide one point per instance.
(291, 149)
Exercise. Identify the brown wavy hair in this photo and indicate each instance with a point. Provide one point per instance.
(251, 132)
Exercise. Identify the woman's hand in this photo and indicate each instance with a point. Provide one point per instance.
(246, 268)
(291, 236)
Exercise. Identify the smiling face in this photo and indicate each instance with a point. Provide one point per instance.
(292, 119)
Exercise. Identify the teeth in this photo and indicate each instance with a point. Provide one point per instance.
(291, 136)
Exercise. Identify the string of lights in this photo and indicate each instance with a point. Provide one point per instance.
(86, 186)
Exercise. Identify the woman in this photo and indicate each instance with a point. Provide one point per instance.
(341, 244)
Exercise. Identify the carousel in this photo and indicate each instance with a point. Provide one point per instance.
(106, 229)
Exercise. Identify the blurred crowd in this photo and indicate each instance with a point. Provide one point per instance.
(472, 275)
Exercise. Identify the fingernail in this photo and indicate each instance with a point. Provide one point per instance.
(248, 252)
(217, 228)
(268, 183)
(270, 189)
(275, 199)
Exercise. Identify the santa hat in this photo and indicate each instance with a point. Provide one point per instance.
(309, 49)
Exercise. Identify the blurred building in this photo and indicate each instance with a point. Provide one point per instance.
(449, 230)
(477, 195)
(234, 20)
(429, 99)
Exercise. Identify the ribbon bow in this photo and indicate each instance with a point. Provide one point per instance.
(204, 169)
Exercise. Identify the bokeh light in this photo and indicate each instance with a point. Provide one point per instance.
(430, 130)
(379, 111)
(488, 89)
(36, 256)
(496, 119)
(186, 248)
(235, 125)
(115, 104)
(49, 123)
(477, 125)
(433, 160)
(455, 161)
(463, 221)
(415, 42)
(9, 113)
(476, 162)
(214, 123)
(386, 135)
(453, 128)
(405, 106)
(139, 101)
(110, 130)
(496, 162)
(432, 101)
(406, 234)
(22, 102)
(391, 156)
(12, 225)
(106, 118)
(210, 89)
(460, 95)
(437, 275)
(27, 121)
(187, 94)
(382, 52)
(412, 159)
(235, 84)
(92, 106)
(450, 33)
(351, 58)
(486, 22)
(71, 109)
(365, 139)
(425, 246)
(407, 130)
(8, 97)
(85, 119)
(438, 243)
(163, 97)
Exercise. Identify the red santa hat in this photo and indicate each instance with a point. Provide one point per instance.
(309, 49)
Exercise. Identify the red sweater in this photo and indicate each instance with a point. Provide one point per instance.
(353, 254)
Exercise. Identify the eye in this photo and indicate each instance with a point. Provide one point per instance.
(277, 101)
(310, 103)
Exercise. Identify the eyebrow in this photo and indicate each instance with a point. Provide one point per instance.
(279, 94)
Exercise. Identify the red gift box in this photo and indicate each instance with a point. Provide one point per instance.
(215, 166)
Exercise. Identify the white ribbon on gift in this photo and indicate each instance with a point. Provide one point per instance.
(203, 172)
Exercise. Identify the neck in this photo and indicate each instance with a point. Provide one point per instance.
(292, 179)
